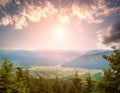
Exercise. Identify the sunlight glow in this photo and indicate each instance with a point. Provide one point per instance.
(60, 33)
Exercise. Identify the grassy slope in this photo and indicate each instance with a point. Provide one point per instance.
(63, 73)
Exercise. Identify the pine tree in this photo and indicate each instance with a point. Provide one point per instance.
(7, 82)
(64, 88)
(21, 85)
(89, 84)
(42, 85)
(110, 82)
(57, 88)
(29, 81)
(76, 86)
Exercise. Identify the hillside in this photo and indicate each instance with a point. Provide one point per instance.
(63, 73)
(90, 60)
(39, 58)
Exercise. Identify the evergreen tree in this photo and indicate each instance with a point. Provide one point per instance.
(29, 81)
(7, 82)
(110, 82)
(89, 84)
(42, 86)
(21, 86)
(57, 88)
(64, 88)
(76, 86)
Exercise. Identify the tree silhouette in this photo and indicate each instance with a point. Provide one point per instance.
(7, 82)
(110, 82)
(57, 87)
(76, 86)
(21, 86)
(89, 83)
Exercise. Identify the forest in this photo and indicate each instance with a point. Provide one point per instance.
(19, 80)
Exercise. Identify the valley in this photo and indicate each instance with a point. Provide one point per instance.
(59, 63)
(61, 58)
(63, 73)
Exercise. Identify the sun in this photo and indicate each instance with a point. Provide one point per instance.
(60, 33)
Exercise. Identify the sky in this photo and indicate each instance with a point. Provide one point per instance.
(59, 24)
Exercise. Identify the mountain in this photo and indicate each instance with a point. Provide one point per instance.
(39, 58)
(90, 60)
(75, 59)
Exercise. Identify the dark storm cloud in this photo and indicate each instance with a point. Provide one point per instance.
(110, 35)
(113, 34)
(112, 3)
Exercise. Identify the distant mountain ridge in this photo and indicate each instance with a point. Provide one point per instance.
(75, 59)
(90, 60)
(40, 58)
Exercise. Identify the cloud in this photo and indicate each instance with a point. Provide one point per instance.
(111, 36)
(85, 10)
(64, 15)
(91, 11)
(35, 13)
(6, 20)
(19, 22)
(4, 2)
